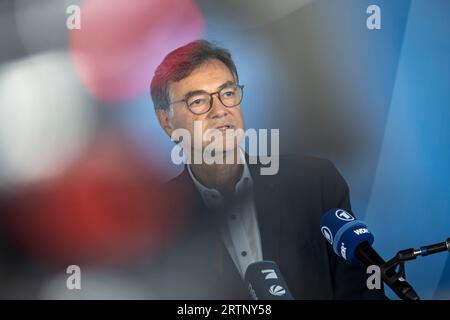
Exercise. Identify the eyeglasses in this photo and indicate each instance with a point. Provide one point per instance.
(202, 102)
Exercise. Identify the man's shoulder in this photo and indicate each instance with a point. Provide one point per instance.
(305, 161)
(292, 167)
(181, 187)
(180, 178)
(304, 166)
(314, 170)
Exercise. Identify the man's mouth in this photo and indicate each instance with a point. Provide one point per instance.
(224, 127)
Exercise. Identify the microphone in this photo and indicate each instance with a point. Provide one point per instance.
(433, 248)
(411, 253)
(265, 282)
(352, 240)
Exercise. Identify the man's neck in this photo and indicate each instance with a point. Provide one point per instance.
(222, 177)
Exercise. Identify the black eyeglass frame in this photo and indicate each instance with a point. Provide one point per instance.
(185, 100)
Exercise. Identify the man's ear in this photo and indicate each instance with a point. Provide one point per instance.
(164, 121)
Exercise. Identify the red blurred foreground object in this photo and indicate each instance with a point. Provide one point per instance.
(121, 42)
(108, 208)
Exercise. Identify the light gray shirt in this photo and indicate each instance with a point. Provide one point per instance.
(240, 232)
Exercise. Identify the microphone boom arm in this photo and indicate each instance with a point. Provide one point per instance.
(397, 279)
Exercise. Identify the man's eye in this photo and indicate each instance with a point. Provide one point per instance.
(197, 102)
(228, 94)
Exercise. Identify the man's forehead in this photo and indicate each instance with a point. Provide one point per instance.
(208, 77)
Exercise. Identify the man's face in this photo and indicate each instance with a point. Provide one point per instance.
(208, 77)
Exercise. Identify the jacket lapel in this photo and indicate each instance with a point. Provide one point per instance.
(268, 213)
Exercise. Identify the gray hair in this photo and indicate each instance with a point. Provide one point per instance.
(180, 63)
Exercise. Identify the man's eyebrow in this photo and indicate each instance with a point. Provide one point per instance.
(226, 84)
(194, 92)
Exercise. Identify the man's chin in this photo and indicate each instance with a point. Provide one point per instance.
(211, 154)
(225, 146)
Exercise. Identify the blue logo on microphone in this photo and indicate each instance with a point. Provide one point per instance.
(327, 234)
(277, 290)
(344, 215)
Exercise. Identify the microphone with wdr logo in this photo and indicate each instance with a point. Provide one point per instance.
(352, 240)
(265, 282)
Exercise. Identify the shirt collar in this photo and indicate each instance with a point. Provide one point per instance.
(212, 197)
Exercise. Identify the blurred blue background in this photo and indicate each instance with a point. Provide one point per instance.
(375, 102)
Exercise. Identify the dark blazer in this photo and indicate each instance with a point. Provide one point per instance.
(289, 207)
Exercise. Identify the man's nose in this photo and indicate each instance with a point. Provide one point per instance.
(217, 109)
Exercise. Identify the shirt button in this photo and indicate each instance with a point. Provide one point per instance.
(243, 253)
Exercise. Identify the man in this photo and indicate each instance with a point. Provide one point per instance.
(237, 215)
